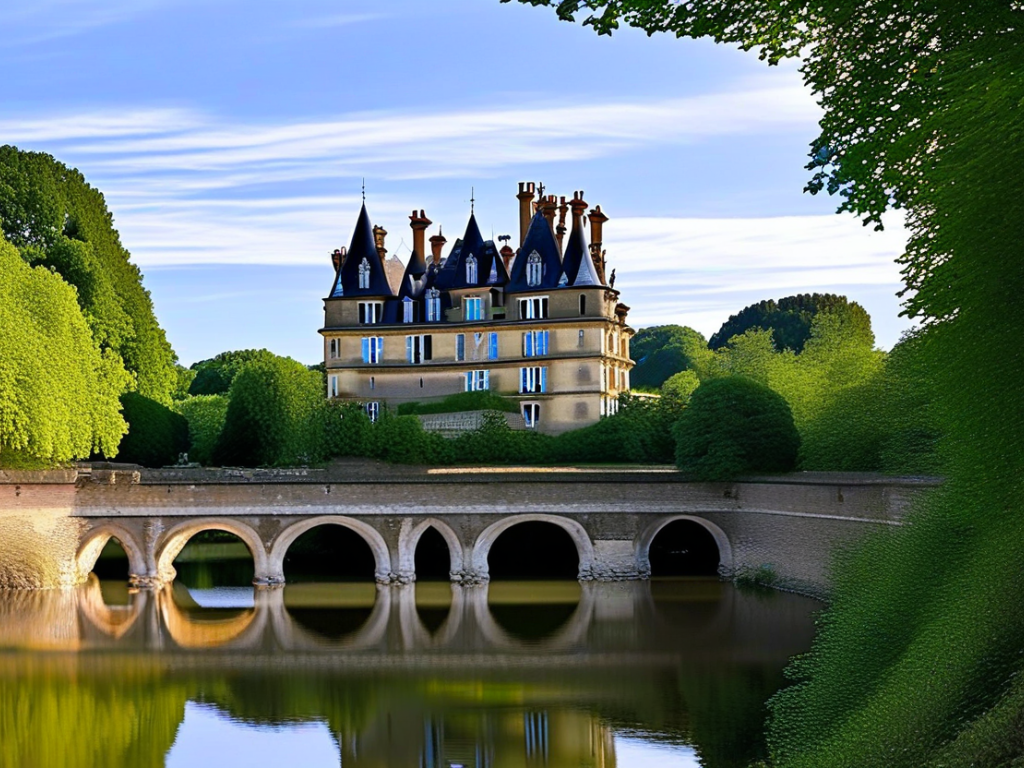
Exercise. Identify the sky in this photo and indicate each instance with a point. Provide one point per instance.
(231, 140)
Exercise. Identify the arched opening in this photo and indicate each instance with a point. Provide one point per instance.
(534, 550)
(433, 559)
(331, 611)
(433, 604)
(213, 559)
(684, 548)
(533, 613)
(113, 570)
(329, 552)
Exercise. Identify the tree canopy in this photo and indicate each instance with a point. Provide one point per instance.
(58, 221)
(790, 318)
(58, 390)
(663, 350)
(214, 376)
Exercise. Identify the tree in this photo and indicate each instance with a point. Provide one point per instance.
(790, 319)
(58, 391)
(735, 426)
(921, 111)
(214, 376)
(157, 436)
(273, 417)
(205, 415)
(57, 220)
(662, 351)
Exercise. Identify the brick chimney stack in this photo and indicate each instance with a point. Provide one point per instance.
(436, 244)
(419, 224)
(507, 254)
(379, 233)
(560, 230)
(597, 220)
(548, 207)
(525, 196)
(579, 207)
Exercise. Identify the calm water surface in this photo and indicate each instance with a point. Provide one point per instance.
(636, 675)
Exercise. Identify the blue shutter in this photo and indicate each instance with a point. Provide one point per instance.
(522, 379)
(493, 351)
(469, 381)
(527, 344)
(408, 348)
(366, 350)
(380, 349)
(544, 379)
(543, 343)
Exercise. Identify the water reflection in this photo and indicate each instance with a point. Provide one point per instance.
(515, 674)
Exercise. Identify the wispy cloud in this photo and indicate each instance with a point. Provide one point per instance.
(30, 23)
(338, 20)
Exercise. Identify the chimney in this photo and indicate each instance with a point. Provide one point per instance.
(579, 207)
(419, 226)
(436, 244)
(525, 196)
(547, 207)
(338, 258)
(379, 233)
(560, 229)
(597, 220)
(507, 254)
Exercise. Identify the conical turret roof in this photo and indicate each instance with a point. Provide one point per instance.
(362, 261)
(539, 247)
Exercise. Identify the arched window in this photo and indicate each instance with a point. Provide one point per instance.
(534, 269)
(471, 275)
(364, 273)
(493, 277)
(583, 304)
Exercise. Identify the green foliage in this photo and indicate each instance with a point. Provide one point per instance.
(274, 416)
(761, 577)
(462, 401)
(58, 221)
(156, 437)
(735, 426)
(679, 387)
(205, 415)
(185, 376)
(662, 351)
(214, 376)
(58, 391)
(790, 319)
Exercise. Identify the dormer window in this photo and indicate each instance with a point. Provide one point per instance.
(471, 272)
(364, 274)
(433, 306)
(408, 310)
(534, 269)
(493, 277)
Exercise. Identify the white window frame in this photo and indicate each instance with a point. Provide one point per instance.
(433, 306)
(475, 302)
(408, 310)
(535, 343)
(460, 347)
(478, 381)
(531, 414)
(371, 312)
(364, 274)
(534, 269)
(373, 411)
(373, 349)
(419, 348)
(472, 274)
(533, 380)
(334, 349)
(334, 386)
(533, 308)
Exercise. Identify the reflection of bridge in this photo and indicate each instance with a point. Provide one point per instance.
(56, 530)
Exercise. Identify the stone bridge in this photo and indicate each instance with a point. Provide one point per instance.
(53, 525)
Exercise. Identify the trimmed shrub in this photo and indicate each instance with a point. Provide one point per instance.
(156, 437)
(734, 426)
(462, 401)
(205, 415)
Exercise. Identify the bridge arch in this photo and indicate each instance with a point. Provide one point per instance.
(287, 537)
(178, 536)
(409, 539)
(90, 549)
(646, 538)
(487, 537)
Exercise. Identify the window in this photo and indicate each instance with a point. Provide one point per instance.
(583, 304)
(370, 312)
(534, 269)
(471, 274)
(334, 386)
(373, 382)
(460, 347)
(477, 381)
(531, 415)
(364, 273)
(373, 349)
(408, 310)
(334, 349)
(373, 411)
(533, 308)
(492, 346)
(580, 341)
(474, 308)
(418, 348)
(533, 380)
(493, 277)
(433, 306)
(535, 343)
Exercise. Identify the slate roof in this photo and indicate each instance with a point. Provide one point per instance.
(578, 266)
(541, 240)
(346, 282)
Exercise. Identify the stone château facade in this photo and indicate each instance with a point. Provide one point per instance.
(541, 325)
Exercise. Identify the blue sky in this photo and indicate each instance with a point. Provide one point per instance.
(230, 139)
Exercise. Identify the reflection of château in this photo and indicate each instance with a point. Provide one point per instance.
(542, 324)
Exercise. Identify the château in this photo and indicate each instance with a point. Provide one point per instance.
(542, 325)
